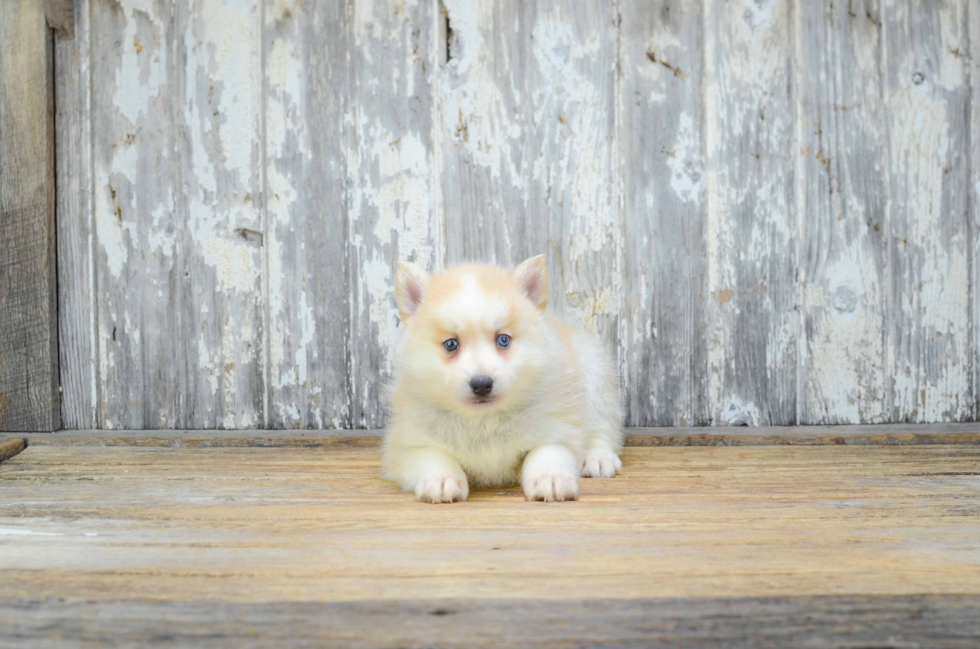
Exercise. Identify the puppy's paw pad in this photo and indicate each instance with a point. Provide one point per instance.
(441, 489)
(551, 487)
(601, 463)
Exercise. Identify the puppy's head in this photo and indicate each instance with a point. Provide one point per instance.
(475, 342)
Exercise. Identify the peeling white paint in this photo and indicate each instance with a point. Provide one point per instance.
(930, 371)
(471, 98)
(736, 412)
(143, 62)
(571, 103)
(179, 187)
(685, 162)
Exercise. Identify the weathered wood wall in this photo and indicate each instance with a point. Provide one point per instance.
(28, 278)
(768, 208)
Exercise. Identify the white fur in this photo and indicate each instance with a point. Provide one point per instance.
(557, 413)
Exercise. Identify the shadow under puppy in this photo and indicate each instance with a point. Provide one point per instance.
(490, 390)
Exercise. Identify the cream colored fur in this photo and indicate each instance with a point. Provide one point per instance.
(555, 413)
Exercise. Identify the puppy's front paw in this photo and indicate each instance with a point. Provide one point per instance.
(550, 486)
(441, 489)
(601, 463)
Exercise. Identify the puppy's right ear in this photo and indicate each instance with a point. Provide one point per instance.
(410, 287)
(532, 276)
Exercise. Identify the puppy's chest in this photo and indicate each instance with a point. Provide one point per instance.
(489, 457)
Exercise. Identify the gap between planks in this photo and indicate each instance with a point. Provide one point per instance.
(866, 435)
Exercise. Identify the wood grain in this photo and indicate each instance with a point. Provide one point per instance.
(842, 198)
(663, 339)
(219, 219)
(395, 189)
(137, 223)
(306, 140)
(750, 140)
(484, 128)
(926, 112)
(572, 191)
(822, 622)
(973, 219)
(77, 293)
(28, 267)
(866, 435)
(312, 525)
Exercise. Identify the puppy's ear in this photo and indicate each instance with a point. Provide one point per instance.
(410, 287)
(532, 276)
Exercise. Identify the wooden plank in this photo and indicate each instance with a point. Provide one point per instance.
(750, 141)
(867, 435)
(572, 198)
(974, 202)
(11, 447)
(484, 126)
(136, 190)
(77, 293)
(842, 203)
(219, 234)
(823, 622)
(331, 439)
(394, 190)
(926, 111)
(664, 260)
(305, 49)
(28, 300)
(317, 525)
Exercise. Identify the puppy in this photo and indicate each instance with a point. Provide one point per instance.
(491, 391)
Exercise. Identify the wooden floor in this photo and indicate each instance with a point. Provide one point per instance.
(818, 546)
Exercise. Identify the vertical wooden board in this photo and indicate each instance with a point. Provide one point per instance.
(28, 283)
(974, 199)
(664, 265)
(136, 178)
(752, 290)
(77, 294)
(842, 206)
(305, 131)
(483, 109)
(393, 213)
(220, 234)
(926, 111)
(570, 147)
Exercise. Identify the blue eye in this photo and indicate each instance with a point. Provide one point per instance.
(451, 345)
(503, 340)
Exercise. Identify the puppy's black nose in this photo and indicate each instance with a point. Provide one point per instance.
(481, 385)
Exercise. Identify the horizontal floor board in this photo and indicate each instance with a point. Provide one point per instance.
(968, 433)
(818, 622)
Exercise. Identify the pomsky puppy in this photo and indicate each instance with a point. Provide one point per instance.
(491, 391)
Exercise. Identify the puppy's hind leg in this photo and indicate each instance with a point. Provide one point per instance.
(604, 416)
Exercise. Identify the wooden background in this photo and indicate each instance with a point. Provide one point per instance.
(767, 208)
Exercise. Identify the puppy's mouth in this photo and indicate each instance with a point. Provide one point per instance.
(479, 401)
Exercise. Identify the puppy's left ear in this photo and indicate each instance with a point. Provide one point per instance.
(532, 276)
(410, 287)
